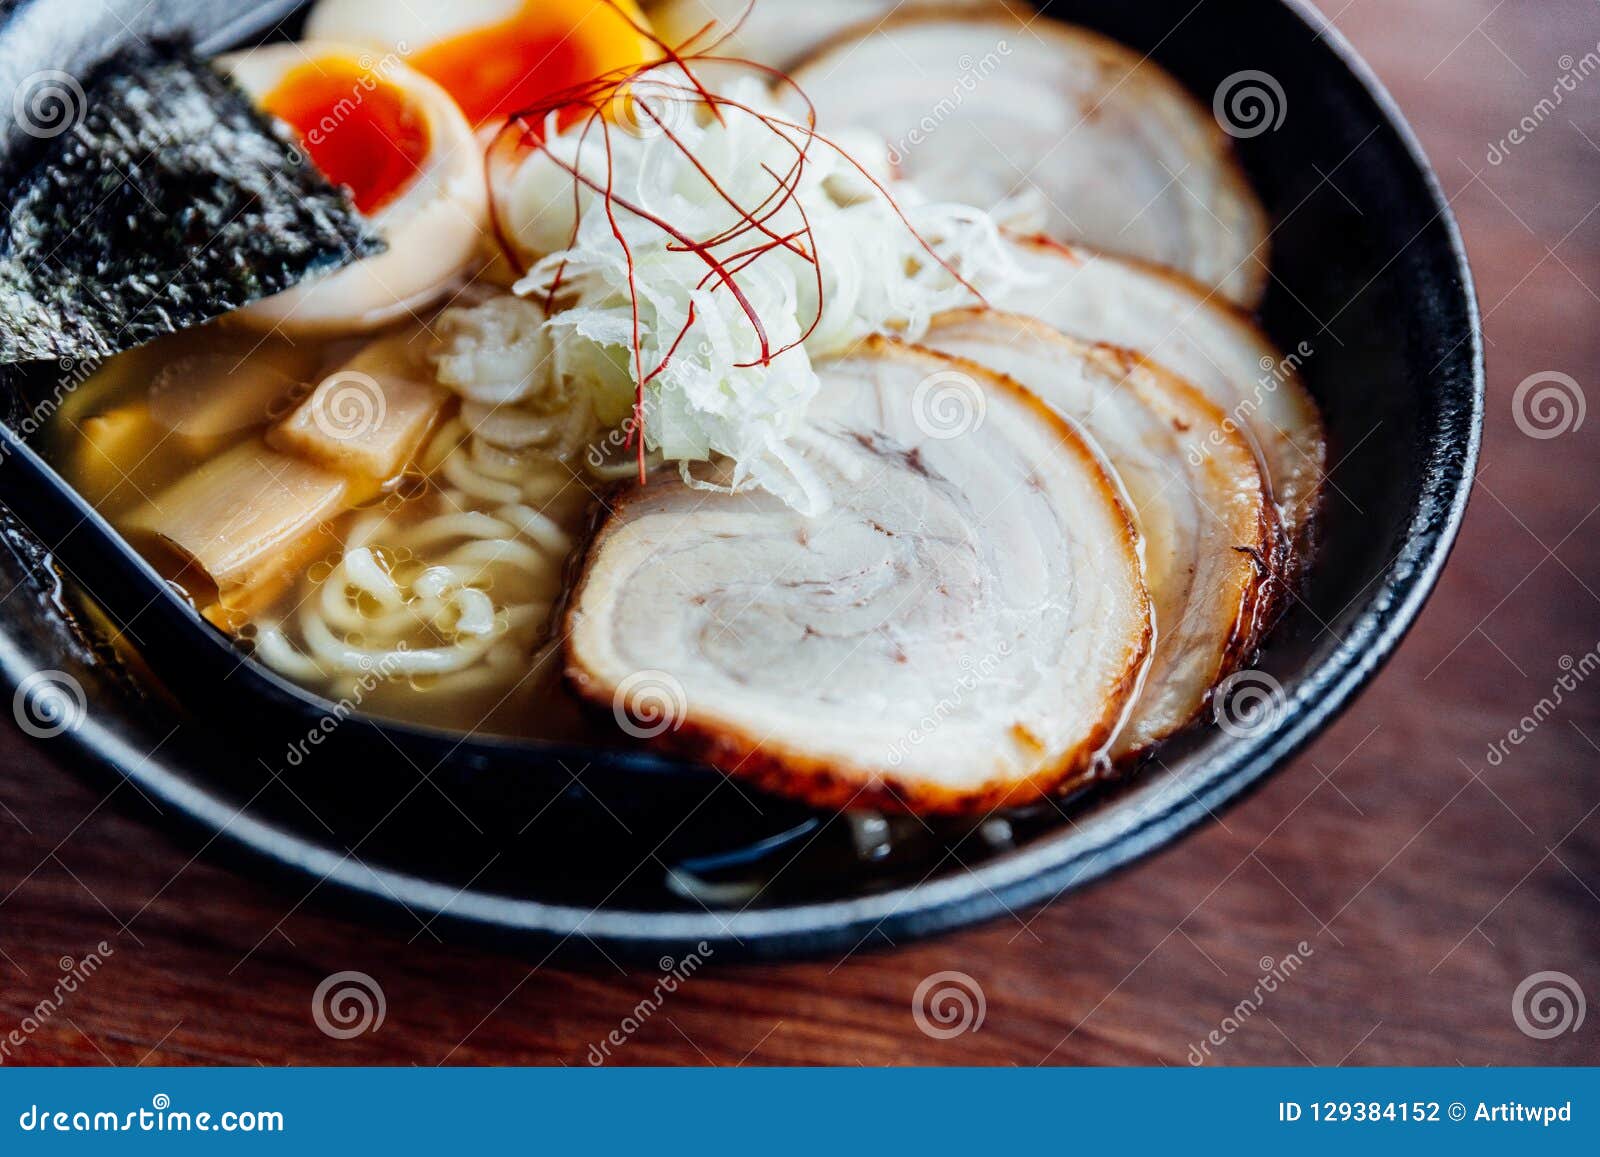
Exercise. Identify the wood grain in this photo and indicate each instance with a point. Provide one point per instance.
(1426, 882)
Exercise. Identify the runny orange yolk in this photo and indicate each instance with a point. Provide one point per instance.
(360, 130)
(544, 48)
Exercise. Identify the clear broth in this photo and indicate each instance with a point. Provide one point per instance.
(115, 441)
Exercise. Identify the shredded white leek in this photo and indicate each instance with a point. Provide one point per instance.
(714, 397)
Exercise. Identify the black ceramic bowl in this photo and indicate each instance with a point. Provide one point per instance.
(571, 845)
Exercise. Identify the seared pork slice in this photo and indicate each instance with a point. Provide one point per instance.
(1068, 133)
(777, 33)
(1212, 345)
(963, 629)
(1209, 531)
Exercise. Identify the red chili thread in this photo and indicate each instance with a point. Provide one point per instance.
(524, 134)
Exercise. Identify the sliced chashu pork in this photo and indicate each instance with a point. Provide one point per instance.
(964, 629)
(1203, 339)
(1085, 139)
(777, 33)
(1210, 536)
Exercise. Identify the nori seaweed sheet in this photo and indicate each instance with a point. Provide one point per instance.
(171, 202)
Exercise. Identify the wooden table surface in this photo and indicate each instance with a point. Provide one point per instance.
(1426, 882)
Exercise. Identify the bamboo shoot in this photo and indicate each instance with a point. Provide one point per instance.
(367, 419)
(113, 442)
(204, 397)
(245, 516)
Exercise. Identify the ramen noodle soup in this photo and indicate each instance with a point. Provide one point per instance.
(700, 397)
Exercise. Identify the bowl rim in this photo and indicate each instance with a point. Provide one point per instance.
(1021, 879)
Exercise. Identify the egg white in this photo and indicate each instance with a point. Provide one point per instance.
(404, 28)
(434, 228)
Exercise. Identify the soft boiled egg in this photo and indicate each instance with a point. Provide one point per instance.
(406, 153)
(495, 57)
